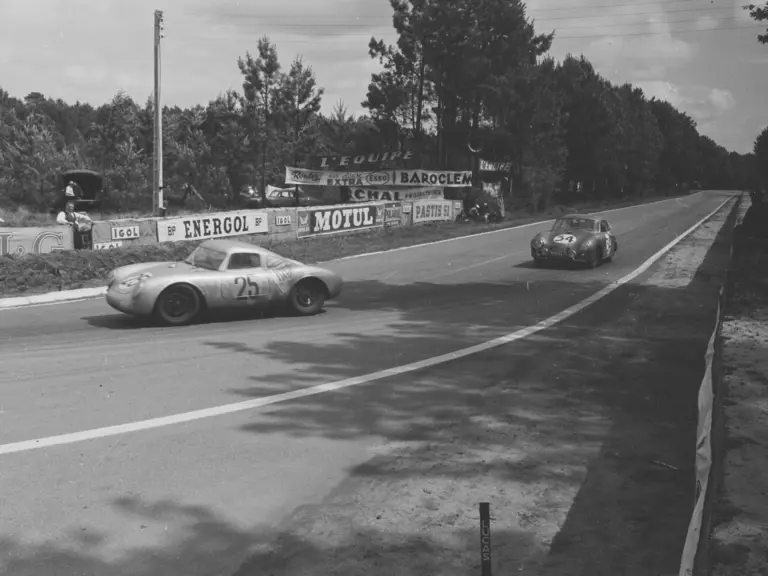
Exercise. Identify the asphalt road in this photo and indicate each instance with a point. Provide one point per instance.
(119, 504)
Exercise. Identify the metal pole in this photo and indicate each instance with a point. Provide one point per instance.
(157, 203)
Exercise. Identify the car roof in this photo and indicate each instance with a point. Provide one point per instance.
(580, 216)
(229, 246)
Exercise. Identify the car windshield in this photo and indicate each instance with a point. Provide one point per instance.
(206, 258)
(564, 224)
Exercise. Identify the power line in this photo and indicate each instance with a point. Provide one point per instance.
(557, 36)
(528, 11)
(547, 19)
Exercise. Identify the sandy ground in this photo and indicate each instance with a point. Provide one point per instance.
(586, 457)
(740, 534)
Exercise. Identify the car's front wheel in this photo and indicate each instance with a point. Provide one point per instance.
(593, 258)
(307, 297)
(178, 305)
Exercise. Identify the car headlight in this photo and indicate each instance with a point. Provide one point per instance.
(537, 243)
(585, 245)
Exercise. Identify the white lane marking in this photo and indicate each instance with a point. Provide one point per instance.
(102, 292)
(98, 433)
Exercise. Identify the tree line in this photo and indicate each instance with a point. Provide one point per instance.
(464, 79)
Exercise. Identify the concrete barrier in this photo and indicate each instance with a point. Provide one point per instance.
(37, 240)
(109, 234)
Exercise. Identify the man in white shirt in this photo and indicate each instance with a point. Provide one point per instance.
(80, 222)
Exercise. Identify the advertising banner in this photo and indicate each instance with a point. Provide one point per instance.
(331, 178)
(488, 166)
(20, 241)
(126, 232)
(393, 214)
(395, 194)
(432, 211)
(492, 189)
(455, 179)
(369, 161)
(332, 220)
(215, 225)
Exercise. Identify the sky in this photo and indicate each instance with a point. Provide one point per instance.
(700, 55)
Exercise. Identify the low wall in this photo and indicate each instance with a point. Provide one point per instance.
(20, 241)
(264, 225)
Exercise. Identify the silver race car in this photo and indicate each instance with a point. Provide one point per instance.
(220, 275)
(575, 238)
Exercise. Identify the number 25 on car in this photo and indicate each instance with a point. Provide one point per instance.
(245, 289)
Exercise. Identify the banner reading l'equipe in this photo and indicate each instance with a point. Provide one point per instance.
(451, 178)
(432, 211)
(334, 220)
(219, 225)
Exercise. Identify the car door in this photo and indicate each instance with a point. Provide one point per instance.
(609, 241)
(244, 283)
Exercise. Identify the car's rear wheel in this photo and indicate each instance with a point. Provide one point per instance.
(307, 297)
(178, 305)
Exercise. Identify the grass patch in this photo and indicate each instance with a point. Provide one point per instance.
(31, 273)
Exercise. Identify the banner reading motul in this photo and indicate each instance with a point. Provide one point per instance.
(335, 220)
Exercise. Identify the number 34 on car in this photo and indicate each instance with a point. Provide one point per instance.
(220, 275)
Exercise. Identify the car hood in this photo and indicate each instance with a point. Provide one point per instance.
(576, 236)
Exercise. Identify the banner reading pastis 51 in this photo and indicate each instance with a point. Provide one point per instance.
(219, 225)
(342, 219)
(432, 211)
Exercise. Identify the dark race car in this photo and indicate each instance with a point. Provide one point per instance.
(575, 239)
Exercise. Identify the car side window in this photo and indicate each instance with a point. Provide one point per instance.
(243, 260)
(604, 226)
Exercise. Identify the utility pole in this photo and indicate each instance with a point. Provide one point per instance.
(158, 204)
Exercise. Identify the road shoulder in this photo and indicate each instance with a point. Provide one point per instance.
(740, 517)
(582, 439)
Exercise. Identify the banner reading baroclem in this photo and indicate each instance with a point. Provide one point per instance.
(204, 226)
(335, 220)
(450, 178)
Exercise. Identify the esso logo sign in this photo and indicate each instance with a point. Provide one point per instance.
(377, 178)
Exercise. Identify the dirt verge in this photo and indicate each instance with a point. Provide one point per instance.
(739, 540)
(34, 274)
(581, 437)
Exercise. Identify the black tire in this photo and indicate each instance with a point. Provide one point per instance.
(594, 258)
(178, 305)
(307, 297)
(540, 263)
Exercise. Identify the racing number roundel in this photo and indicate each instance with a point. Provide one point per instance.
(564, 239)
